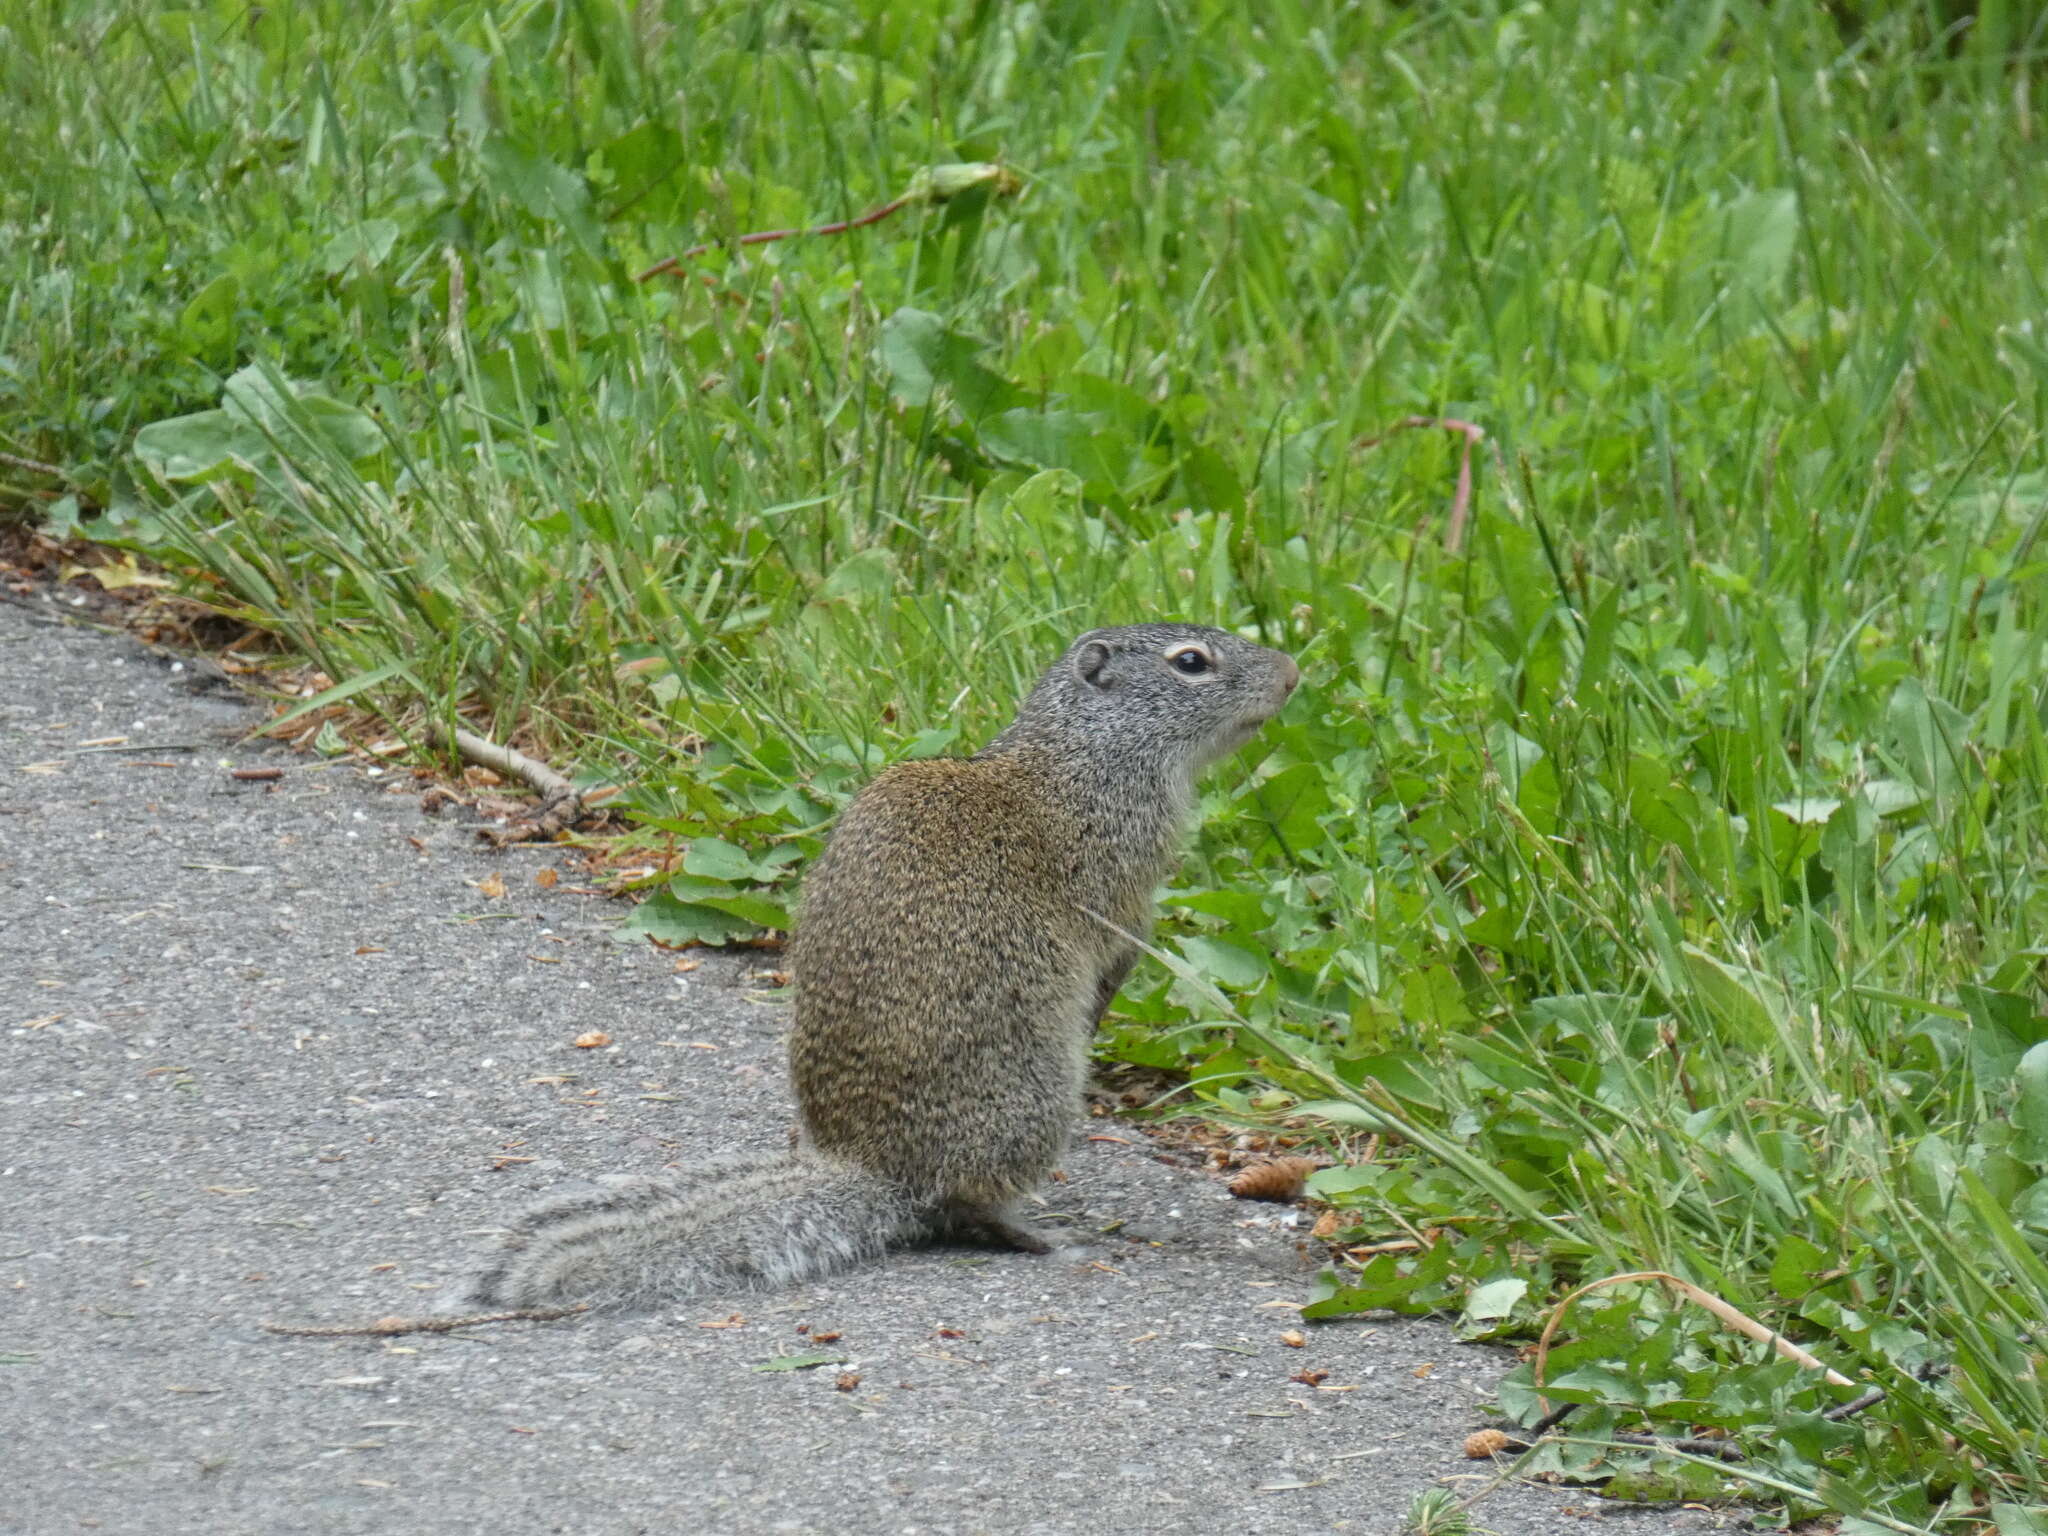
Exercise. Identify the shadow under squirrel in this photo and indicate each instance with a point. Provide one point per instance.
(957, 943)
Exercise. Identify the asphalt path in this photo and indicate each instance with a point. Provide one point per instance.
(272, 1051)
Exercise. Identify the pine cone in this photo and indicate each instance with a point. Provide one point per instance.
(1280, 1179)
(1483, 1443)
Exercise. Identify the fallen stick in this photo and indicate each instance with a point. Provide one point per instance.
(763, 236)
(386, 1327)
(1739, 1321)
(561, 801)
(1854, 1406)
(33, 466)
(1499, 1442)
(1721, 1450)
(514, 764)
(935, 184)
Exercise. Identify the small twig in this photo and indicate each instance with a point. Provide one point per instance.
(1523, 1442)
(562, 803)
(385, 1327)
(1931, 1370)
(1526, 1440)
(1740, 1322)
(763, 236)
(1461, 500)
(1855, 1405)
(935, 184)
(473, 748)
(1552, 1419)
(33, 466)
(1719, 1450)
(256, 775)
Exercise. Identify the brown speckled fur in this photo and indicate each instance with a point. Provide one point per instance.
(957, 944)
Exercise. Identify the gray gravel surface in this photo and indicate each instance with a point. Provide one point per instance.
(269, 1052)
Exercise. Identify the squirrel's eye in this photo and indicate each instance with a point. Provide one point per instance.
(1191, 661)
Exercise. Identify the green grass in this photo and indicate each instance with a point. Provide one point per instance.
(1668, 859)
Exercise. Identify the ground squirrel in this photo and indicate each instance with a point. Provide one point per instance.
(957, 943)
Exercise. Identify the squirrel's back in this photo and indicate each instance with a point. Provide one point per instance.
(946, 979)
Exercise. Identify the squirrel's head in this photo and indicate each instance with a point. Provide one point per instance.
(1169, 697)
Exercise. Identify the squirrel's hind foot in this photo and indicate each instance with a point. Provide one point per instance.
(999, 1229)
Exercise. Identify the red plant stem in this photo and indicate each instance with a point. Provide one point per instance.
(1461, 500)
(763, 236)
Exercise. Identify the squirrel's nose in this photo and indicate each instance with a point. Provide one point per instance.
(1292, 675)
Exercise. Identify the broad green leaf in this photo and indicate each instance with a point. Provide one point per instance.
(200, 446)
(1339, 1112)
(1796, 1263)
(208, 319)
(2006, 1027)
(351, 433)
(761, 913)
(1206, 481)
(2030, 1207)
(543, 189)
(936, 742)
(1599, 645)
(646, 166)
(1747, 1003)
(260, 395)
(1242, 909)
(276, 408)
(1228, 965)
(714, 858)
(2025, 1266)
(2030, 1109)
(1293, 802)
(1888, 797)
(1494, 1300)
(1051, 439)
(1931, 735)
(1756, 234)
(1286, 465)
(368, 242)
(1593, 1384)
(1808, 811)
(921, 354)
(1423, 1284)
(675, 924)
(869, 573)
(1934, 1165)
(1432, 994)
(1333, 1184)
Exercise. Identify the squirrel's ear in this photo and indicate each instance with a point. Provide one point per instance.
(1091, 664)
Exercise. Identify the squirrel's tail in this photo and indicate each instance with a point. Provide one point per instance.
(732, 1225)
